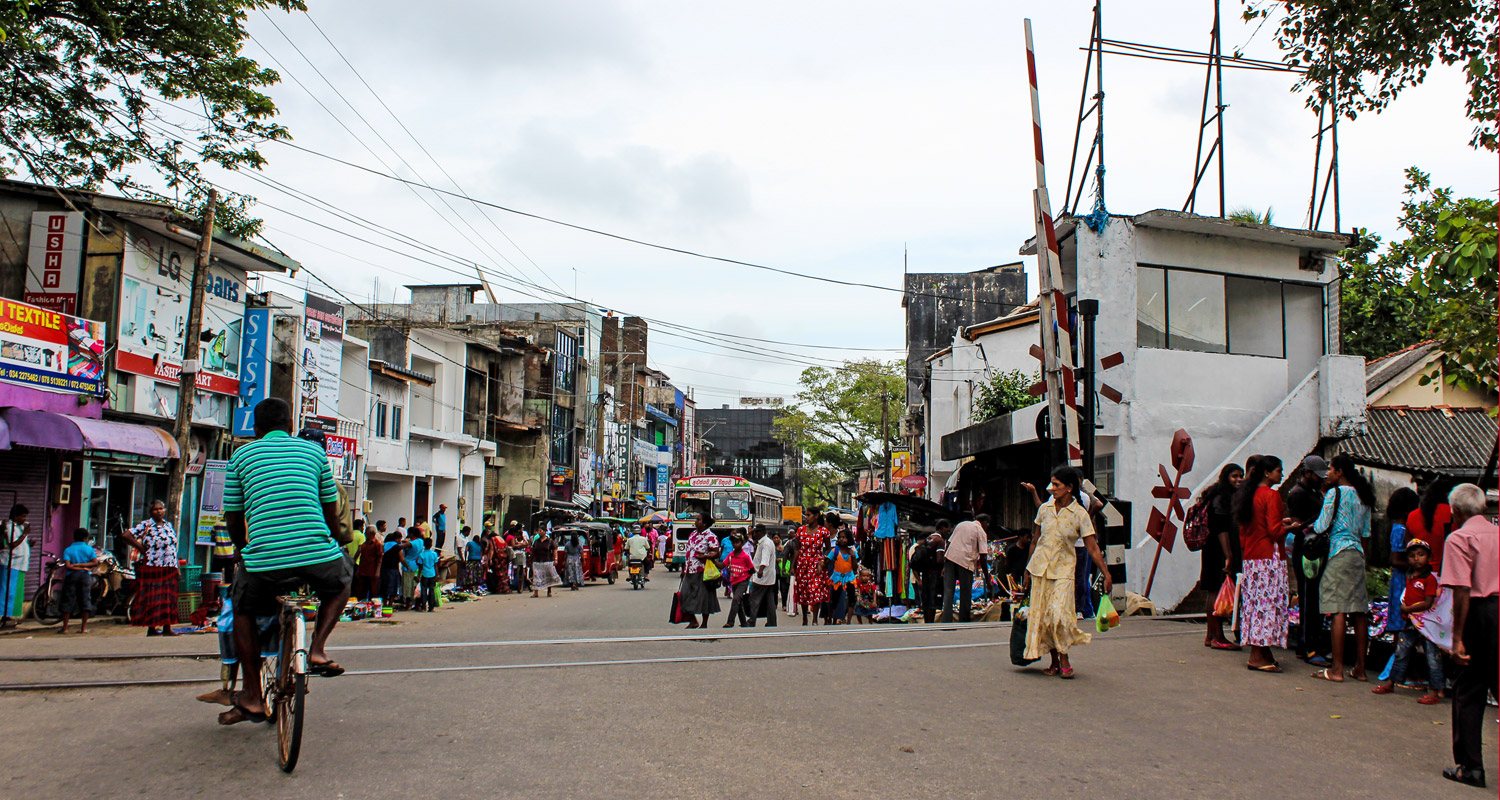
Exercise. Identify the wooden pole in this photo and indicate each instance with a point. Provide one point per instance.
(187, 378)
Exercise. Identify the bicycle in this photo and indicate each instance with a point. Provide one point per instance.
(284, 682)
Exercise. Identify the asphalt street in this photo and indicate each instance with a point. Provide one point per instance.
(902, 711)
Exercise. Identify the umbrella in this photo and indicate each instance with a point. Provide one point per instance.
(659, 516)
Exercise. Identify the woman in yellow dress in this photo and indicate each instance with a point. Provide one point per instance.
(1052, 621)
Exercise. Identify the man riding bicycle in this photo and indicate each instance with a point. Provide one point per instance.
(281, 508)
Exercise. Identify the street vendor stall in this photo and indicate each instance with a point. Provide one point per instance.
(888, 524)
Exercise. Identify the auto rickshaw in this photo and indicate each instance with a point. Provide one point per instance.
(601, 549)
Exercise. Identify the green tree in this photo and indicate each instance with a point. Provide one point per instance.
(836, 422)
(1003, 393)
(1438, 282)
(1251, 215)
(80, 77)
(1380, 310)
(1363, 53)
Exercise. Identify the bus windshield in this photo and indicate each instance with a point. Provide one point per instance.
(692, 503)
(733, 506)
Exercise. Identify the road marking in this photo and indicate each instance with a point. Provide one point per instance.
(558, 664)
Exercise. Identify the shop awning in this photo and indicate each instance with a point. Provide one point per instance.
(64, 432)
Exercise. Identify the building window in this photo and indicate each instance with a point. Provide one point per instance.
(381, 409)
(1195, 312)
(1212, 313)
(562, 435)
(565, 363)
(1150, 307)
(396, 422)
(1104, 473)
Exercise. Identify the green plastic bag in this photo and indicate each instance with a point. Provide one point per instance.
(1107, 617)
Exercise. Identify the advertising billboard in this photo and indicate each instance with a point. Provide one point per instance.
(50, 350)
(156, 285)
(255, 368)
(54, 260)
(322, 357)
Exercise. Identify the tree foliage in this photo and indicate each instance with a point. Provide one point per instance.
(1363, 53)
(1439, 282)
(80, 77)
(836, 422)
(1003, 393)
(1252, 216)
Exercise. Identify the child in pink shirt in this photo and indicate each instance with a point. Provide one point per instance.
(740, 567)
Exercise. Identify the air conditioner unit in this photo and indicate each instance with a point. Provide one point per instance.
(367, 505)
(495, 461)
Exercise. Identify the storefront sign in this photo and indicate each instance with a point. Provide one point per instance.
(663, 475)
(54, 260)
(50, 350)
(322, 357)
(342, 455)
(900, 464)
(155, 290)
(255, 368)
(914, 481)
(211, 502)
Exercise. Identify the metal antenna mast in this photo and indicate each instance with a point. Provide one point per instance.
(1330, 177)
(1214, 77)
(1093, 64)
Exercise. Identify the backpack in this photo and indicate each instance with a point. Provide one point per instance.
(1195, 530)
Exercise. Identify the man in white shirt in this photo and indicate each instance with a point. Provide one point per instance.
(968, 547)
(762, 598)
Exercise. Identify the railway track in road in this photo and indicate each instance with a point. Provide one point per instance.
(702, 658)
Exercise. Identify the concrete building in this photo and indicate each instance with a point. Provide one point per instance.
(1227, 330)
(742, 442)
(939, 303)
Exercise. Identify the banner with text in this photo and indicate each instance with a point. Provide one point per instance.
(322, 357)
(54, 260)
(50, 350)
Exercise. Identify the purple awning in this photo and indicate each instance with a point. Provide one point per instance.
(122, 437)
(41, 429)
(63, 432)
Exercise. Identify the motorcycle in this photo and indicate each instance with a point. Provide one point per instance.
(637, 574)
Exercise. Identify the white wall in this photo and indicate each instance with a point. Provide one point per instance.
(1219, 399)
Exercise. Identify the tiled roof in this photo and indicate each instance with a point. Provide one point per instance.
(1385, 369)
(1451, 441)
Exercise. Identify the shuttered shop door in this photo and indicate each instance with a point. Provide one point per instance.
(26, 483)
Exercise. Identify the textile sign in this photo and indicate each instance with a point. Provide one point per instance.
(50, 350)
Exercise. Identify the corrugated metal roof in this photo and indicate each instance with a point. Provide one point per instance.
(1387, 368)
(1453, 441)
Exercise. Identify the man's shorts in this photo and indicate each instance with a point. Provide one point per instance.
(256, 592)
(77, 593)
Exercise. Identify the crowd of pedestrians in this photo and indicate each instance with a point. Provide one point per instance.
(1311, 532)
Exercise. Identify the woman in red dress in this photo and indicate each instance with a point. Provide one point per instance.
(812, 582)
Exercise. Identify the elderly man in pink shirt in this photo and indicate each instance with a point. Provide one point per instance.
(1471, 571)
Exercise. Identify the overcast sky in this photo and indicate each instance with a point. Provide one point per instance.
(824, 138)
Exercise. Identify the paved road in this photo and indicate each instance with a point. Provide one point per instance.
(1152, 715)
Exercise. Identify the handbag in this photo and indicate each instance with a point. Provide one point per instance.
(1315, 543)
(674, 616)
(1018, 640)
(711, 571)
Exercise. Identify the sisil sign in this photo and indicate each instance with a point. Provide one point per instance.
(711, 482)
(763, 401)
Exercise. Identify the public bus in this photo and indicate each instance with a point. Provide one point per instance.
(732, 502)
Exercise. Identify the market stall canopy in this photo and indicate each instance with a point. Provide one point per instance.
(52, 431)
(911, 504)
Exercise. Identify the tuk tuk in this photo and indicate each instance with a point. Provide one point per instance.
(601, 549)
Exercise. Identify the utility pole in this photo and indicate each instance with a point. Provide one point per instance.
(187, 379)
(885, 434)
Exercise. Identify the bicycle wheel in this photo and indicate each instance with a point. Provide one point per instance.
(290, 704)
(291, 688)
(44, 606)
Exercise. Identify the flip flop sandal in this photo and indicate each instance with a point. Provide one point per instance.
(245, 714)
(1323, 675)
(1224, 646)
(1050, 671)
(1271, 668)
(1066, 674)
(1428, 700)
(1383, 690)
(1362, 679)
(325, 669)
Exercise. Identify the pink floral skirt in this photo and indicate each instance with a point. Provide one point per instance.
(1263, 603)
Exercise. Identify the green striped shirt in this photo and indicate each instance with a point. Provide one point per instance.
(281, 483)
